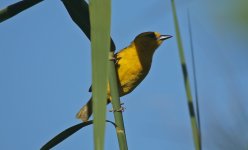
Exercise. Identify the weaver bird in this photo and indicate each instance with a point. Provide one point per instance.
(132, 64)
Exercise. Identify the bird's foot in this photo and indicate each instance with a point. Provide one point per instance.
(121, 109)
(113, 59)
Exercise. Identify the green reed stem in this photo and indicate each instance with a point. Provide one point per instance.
(195, 130)
(120, 129)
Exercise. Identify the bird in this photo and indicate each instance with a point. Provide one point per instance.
(132, 64)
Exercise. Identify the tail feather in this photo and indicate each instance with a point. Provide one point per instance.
(86, 111)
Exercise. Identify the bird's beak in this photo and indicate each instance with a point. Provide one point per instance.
(164, 37)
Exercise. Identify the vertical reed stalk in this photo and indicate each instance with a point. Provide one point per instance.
(195, 130)
(120, 130)
(195, 78)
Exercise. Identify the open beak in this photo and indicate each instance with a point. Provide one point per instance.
(164, 37)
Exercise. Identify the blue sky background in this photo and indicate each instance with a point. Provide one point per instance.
(45, 73)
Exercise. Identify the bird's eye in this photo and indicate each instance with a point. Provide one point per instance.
(152, 35)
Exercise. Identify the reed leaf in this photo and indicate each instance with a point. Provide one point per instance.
(65, 134)
(68, 132)
(195, 130)
(16, 8)
(100, 17)
(79, 12)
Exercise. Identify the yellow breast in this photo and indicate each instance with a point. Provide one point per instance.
(132, 69)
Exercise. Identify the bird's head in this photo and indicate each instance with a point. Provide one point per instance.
(150, 40)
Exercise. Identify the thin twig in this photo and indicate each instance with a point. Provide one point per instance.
(194, 76)
(194, 73)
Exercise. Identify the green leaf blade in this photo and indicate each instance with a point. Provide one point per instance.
(100, 12)
(16, 8)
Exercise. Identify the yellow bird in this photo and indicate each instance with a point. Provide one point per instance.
(132, 64)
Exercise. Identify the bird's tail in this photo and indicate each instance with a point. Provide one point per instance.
(86, 111)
